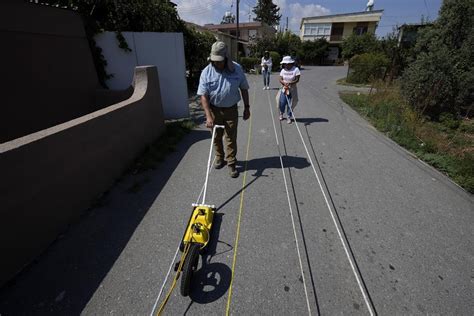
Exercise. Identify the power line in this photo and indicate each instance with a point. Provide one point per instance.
(427, 10)
(197, 8)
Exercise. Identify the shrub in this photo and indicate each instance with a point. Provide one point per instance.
(276, 59)
(196, 50)
(367, 67)
(313, 52)
(441, 79)
(359, 44)
(248, 63)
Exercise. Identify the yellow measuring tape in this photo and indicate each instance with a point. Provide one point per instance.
(178, 273)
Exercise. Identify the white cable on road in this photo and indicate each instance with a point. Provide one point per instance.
(291, 209)
(343, 241)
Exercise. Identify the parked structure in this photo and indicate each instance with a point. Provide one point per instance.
(335, 28)
(408, 33)
(230, 40)
(249, 32)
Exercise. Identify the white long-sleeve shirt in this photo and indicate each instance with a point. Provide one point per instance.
(267, 62)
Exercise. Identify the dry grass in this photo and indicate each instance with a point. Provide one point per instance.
(447, 145)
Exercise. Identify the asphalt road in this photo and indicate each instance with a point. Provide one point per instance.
(359, 226)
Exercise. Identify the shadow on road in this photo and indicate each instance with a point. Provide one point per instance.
(309, 121)
(66, 276)
(262, 164)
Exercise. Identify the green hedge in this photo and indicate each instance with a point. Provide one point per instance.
(248, 63)
(276, 59)
(367, 67)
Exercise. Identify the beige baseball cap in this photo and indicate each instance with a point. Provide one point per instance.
(218, 51)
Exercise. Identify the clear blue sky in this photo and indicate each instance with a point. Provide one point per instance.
(396, 12)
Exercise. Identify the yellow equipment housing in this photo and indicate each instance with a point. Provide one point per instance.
(199, 226)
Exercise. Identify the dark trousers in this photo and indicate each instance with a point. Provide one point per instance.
(229, 118)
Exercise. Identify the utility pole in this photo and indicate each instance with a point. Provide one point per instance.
(286, 30)
(237, 15)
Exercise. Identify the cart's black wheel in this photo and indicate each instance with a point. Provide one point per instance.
(189, 266)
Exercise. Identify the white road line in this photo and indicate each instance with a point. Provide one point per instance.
(349, 257)
(291, 209)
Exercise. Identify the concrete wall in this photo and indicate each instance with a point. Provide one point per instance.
(48, 178)
(47, 73)
(164, 50)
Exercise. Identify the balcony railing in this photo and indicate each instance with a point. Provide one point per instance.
(336, 38)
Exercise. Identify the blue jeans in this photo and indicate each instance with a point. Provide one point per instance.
(284, 104)
(266, 77)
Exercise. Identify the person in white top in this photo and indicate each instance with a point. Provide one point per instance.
(266, 70)
(287, 96)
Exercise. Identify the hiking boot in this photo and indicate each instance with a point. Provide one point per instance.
(219, 164)
(233, 171)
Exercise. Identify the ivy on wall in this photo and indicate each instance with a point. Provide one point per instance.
(120, 16)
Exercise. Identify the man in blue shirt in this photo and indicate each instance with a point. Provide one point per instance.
(220, 86)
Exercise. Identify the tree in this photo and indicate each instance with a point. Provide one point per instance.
(313, 52)
(260, 45)
(287, 44)
(267, 12)
(441, 78)
(196, 49)
(359, 44)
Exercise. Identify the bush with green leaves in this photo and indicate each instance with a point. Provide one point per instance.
(287, 44)
(197, 47)
(284, 44)
(313, 52)
(276, 59)
(366, 68)
(360, 44)
(248, 63)
(441, 78)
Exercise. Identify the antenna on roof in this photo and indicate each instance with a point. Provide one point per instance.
(370, 5)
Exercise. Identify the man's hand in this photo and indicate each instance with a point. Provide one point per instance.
(209, 122)
(246, 113)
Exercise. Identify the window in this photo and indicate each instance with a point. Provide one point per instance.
(252, 34)
(317, 29)
(361, 28)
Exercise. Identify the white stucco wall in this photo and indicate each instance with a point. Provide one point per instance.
(164, 50)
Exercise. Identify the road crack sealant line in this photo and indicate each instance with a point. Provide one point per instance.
(291, 209)
(338, 225)
(176, 252)
(242, 192)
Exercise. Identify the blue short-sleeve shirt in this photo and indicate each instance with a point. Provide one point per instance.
(222, 87)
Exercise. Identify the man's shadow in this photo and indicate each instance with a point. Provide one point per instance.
(262, 164)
